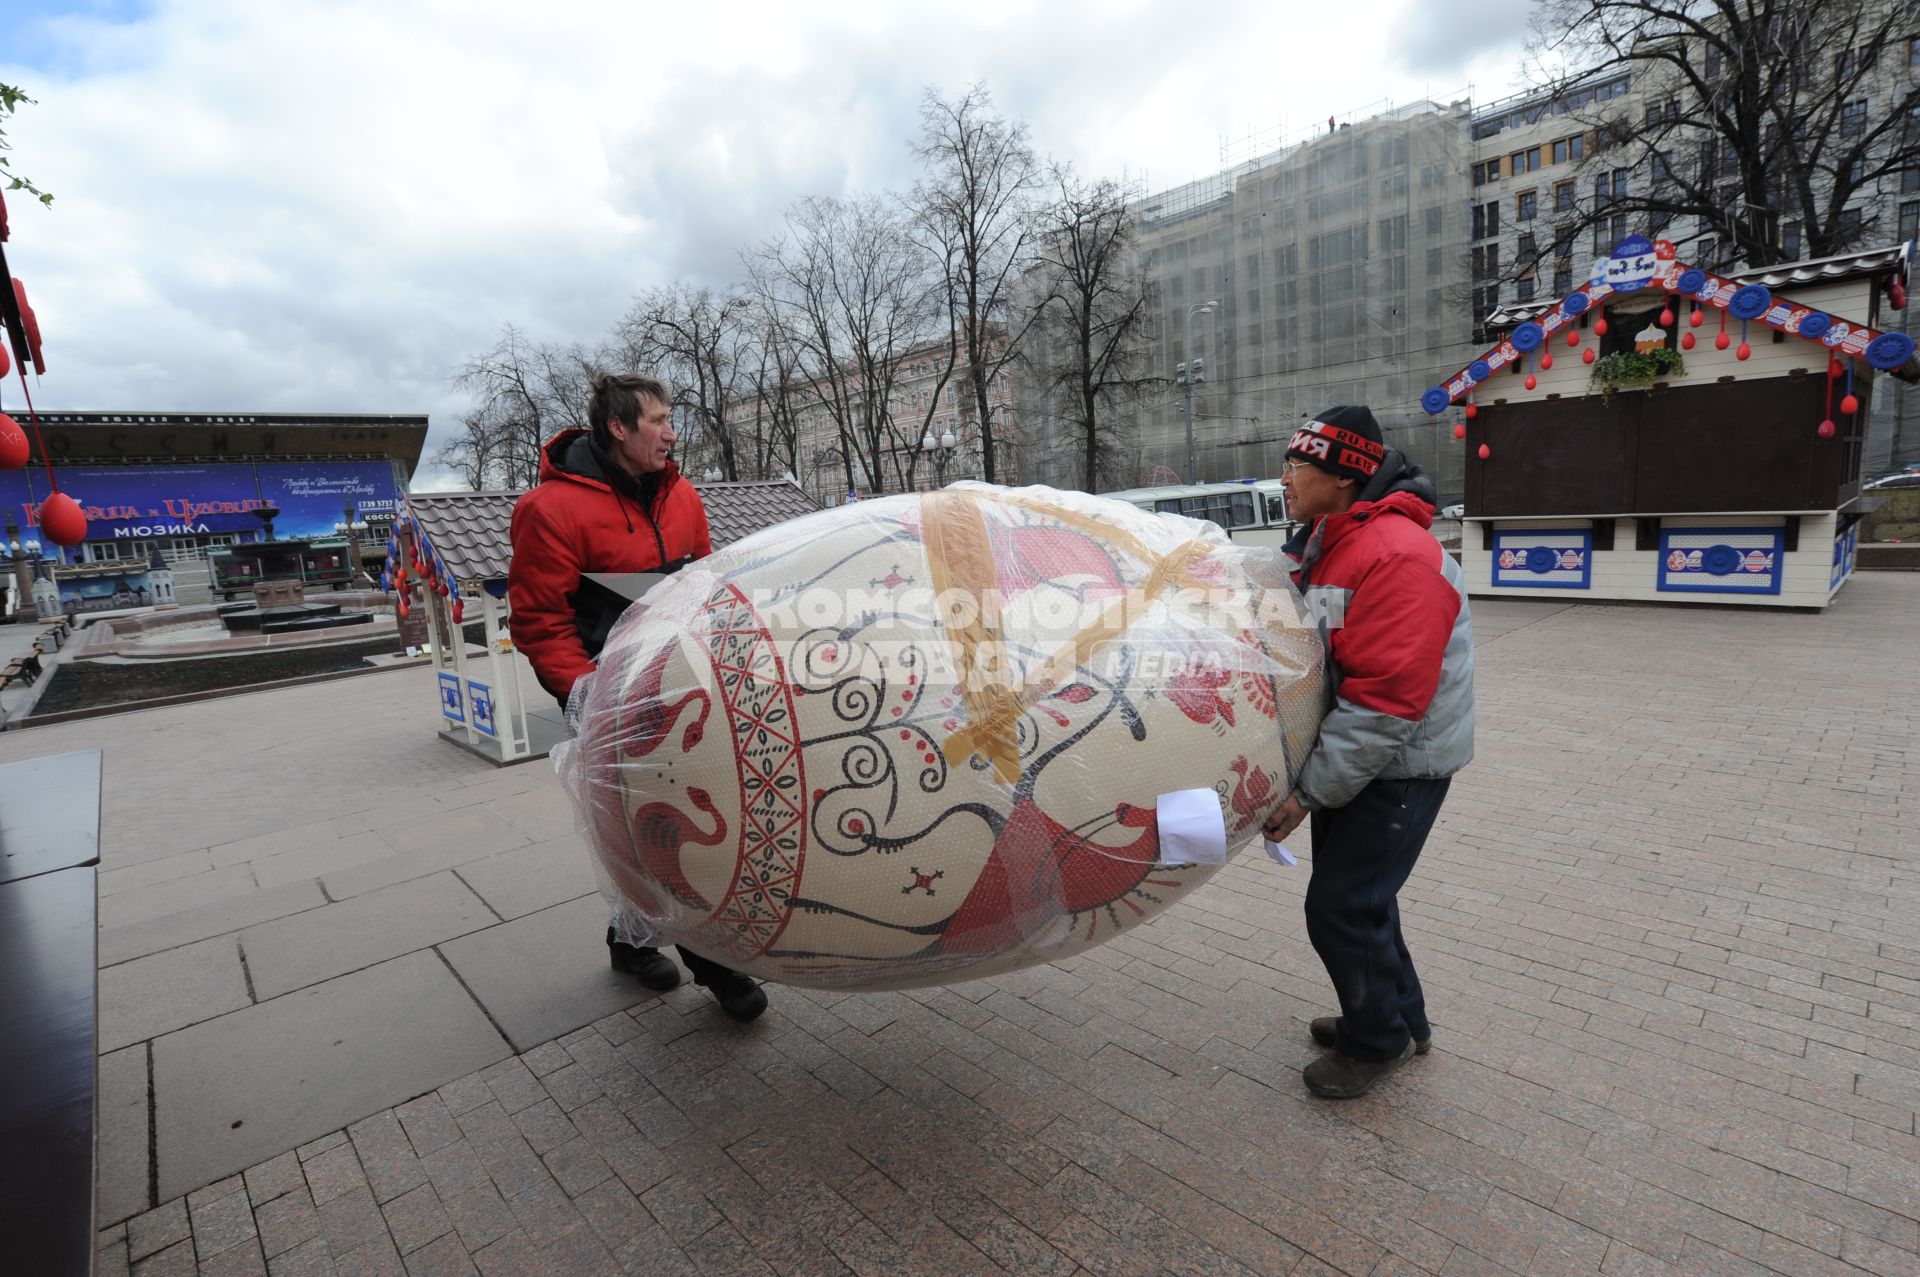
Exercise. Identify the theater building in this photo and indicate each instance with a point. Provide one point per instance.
(189, 485)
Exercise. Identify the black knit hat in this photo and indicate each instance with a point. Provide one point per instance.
(1345, 441)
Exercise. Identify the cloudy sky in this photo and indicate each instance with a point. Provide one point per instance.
(326, 205)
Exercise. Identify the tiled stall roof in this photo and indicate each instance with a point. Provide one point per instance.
(736, 509)
(470, 529)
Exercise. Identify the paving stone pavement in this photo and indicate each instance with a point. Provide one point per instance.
(1665, 924)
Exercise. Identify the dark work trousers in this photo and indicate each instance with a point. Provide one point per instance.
(1362, 854)
(705, 970)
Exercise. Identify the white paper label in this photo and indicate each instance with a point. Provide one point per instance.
(1192, 829)
(1280, 853)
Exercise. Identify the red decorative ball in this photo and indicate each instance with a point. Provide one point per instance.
(1666, 319)
(1600, 326)
(1573, 336)
(1586, 356)
(1686, 341)
(1459, 430)
(1485, 452)
(1698, 317)
(1826, 430)
(403, 608)
(1849, 405)
(459, 610)
(1834, 370)
(6, 363)
(1745, 351)
(1473, 410)
(1532, 381)
(13, 444)
(61, 520)
(1546, 359)
(1722, 342)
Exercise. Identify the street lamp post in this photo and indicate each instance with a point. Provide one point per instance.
(939, 449)
(1191, 375)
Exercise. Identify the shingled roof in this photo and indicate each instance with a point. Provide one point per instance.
(470, 529)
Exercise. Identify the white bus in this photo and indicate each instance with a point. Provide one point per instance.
(1248, 510)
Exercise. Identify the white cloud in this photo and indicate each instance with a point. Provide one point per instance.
(327, 205)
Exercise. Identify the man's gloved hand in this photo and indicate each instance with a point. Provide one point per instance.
(577, 701)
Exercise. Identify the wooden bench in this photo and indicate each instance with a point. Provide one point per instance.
(49, 1020)
(25, 670)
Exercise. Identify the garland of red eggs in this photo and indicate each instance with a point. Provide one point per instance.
(403, 574)
(1745, 302)
(59, 516)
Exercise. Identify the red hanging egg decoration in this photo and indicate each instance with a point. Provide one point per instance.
(1686, 341)
(1666, 318)
(1698, 317)
(1459, 430)
(1722, 342)
(1546, 359)
(459, 610)
(1573, 336)
(1532, 381)
(1826, 430)
(1834, 370)
(13, 444)
(1744, 352)
(1600, 326)
(403, 608)
(1485, 452)
(1849, 404)
(61, 520)
(1586, 356)
(1473, 410)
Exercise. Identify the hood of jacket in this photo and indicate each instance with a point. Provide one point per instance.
(571, 455)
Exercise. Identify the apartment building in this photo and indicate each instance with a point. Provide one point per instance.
(1329, 270)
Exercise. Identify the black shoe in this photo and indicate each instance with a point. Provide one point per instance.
(1339, 1077)
(738, 996)
(1323, 1029)
(648, 965)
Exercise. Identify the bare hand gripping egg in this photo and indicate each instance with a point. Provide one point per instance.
(922, 739)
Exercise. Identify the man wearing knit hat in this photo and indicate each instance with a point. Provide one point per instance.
(1392, 610)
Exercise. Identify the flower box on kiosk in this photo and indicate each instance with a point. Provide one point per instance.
(1665, 433)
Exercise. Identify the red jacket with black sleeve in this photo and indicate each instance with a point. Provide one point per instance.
(1391, 606)
(579, 520)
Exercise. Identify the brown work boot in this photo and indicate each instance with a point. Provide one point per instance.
(1338, 1077)
(1323, 1027)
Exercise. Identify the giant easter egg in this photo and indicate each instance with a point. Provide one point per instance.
(922, 739)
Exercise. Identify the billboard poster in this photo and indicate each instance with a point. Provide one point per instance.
(145, 502)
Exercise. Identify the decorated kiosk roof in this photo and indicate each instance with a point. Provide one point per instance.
(466, 534)
(1637, 263)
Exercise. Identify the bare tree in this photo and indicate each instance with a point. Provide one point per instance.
(1755, 112)
(699, 342)
(1090, 318)
(525, 392)
(975, 214)
(477, 453)
(851, 288)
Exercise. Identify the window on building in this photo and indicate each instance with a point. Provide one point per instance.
(1851, 63)
(1660, 168)
(1525, 205)
(1563, 198)
(1393, 234)
(1847, 226)
(1857, 170)
(1790, 240)
(1569, 148)
(1523, 290)
(1910, 178)
(1529, 252)
(1910, 221)
(1486, 171)
(1563, 276)
(1853, 118)
(1525, 161)
(1485, 302)
(1436, 221)
(1486, 261)
(1913, 50)
(1713, 65)
(1486, 220)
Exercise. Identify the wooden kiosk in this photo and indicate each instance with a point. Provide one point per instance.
(1663, 433)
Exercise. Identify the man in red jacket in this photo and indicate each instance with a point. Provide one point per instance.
(610, 499)
(1391, 606)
